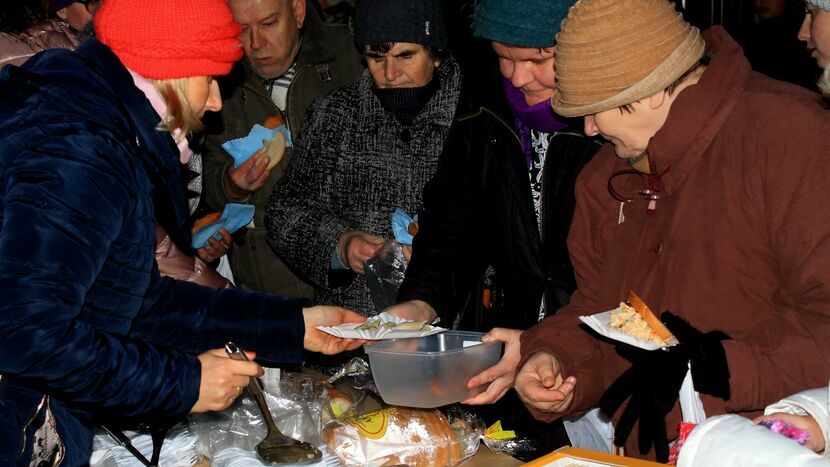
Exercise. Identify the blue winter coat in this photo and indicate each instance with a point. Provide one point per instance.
(88, 328)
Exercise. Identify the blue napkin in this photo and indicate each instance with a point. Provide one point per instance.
(243, 148)
(400, 226)
(234, 217)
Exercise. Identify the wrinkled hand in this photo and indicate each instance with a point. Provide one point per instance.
(318, 341)
(248, 177)
(215, 249)
(501, 375)
(222, 380)
(355, 247)
(413, 310)
(802, 422)
(542, 386)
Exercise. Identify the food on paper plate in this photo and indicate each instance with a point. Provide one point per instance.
(637, 320)
(206, 220)
(371, 325)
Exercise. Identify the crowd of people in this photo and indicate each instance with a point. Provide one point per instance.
(557, 154)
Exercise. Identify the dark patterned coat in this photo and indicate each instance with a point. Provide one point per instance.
(354, 164)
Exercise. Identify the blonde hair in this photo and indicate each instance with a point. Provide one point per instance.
(180, 116)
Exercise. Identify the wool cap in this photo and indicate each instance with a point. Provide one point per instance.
(610, 53)
(823, 4)
(415, 21)
(526, 23)
(55, 5)
(164, 39)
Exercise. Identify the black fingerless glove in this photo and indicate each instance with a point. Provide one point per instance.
(653, 381)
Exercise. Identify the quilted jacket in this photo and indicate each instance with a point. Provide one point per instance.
(89, 331)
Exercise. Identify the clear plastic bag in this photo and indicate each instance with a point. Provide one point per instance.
(384, 274)
(229, 438)
(361, 430)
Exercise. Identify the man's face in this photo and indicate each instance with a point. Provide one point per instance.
(768, 9)
(406, 65)
(630, 130)
(529, 69)
(815, 31)
(270, 33)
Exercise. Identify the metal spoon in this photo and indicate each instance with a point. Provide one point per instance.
(276, 447)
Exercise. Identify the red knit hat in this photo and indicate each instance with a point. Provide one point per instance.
(166, 39)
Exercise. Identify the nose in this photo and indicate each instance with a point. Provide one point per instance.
(391, 71)
(257, 41)
(591, 126)
(804, 30)
(214, 100)
(522, 75)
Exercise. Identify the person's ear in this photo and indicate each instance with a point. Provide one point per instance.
(61, 13)
(655, 101)
(299, 7)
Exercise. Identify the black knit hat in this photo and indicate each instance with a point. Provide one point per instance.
(416, 21)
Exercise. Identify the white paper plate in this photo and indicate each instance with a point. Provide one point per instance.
(349, 330)
(599, 323)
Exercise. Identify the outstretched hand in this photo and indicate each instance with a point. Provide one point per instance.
(316, 340)
(542, 386)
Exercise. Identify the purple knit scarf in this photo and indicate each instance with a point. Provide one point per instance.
(538, 117)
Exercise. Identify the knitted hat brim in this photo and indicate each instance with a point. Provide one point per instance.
(683, 58)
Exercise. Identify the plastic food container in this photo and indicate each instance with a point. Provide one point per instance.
(431, 371)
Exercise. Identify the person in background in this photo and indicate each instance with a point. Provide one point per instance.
(503, 198)
(366, 150)
(708, 202)
(291, 58)
(26, 29)
(90, 332)
(815, 32)
(78, 14)
(771, 46)
(735, 440)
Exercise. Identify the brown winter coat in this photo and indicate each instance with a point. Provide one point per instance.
(740, 241)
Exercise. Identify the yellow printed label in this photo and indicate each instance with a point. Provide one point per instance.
(495, 431)
(373, 425)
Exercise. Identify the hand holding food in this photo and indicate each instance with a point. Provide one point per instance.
(319, 341)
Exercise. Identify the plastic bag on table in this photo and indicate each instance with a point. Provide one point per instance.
(360, 434)
(384, 274)
(230, 437)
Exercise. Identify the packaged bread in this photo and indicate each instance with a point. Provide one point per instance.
(399, 436)
(636, 319)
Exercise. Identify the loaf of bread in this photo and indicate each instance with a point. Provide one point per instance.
(400, 436)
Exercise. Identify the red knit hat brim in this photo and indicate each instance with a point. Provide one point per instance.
(163, 39)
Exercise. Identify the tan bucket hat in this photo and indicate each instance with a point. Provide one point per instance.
(610, 53)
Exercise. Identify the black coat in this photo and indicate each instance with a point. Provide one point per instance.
(478, 211)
